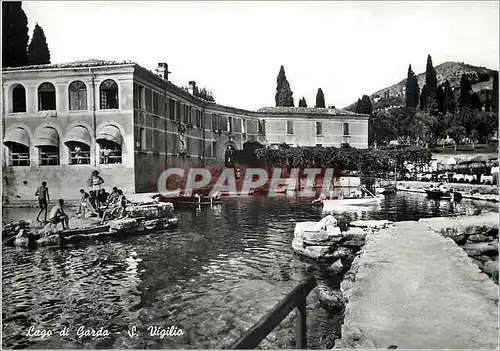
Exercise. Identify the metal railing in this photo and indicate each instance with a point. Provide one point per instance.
(49, 159)
(79, 157)
(19, 159)
(295, 299)
(112, 159)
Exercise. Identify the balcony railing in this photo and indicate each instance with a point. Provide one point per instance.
(79, 157)
(49, 159)
(111, 159)
(19, 159)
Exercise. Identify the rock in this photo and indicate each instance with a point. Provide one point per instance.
(341, 252)
(355, 233)
(491, 268)
(359, 242)
(332, 300)
(347, 260)
(492, 233)
(328, 221)
(478, 238)
(478, 263)
(453, 234)
(48, 240)
(336, 268)
(479, 249)
(315, 252)
(321, 237)
(121, 224)
(21, 239)
(372, 224)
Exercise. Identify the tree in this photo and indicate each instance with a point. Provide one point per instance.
(449, 98)
(412, 89)
(38, 50)
(284, 95)
(476, 101)
(364, 105)
(302, 102)
(358, 106)
(465, 98)
(487, 102)
(431, 84)
(424, 97)
(494, 99)
(14, 35)
(440, 99)
(320, 99)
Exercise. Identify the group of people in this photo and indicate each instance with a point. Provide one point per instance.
(97, 201)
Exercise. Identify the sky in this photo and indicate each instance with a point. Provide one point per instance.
(235, 49)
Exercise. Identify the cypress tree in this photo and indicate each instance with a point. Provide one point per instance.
(302, 102)
(476, 102)
(494, 98)
(284, 95)
(365, 105)
(465, 98)
(14, 35)
(358, 106)
(449, 98)
(320, 99)
(412, 89)
(431, 84)
(38, 50)
(424, 98)
(440, 99)
(487, 102)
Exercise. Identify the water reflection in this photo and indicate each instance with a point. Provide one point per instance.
(214, 276)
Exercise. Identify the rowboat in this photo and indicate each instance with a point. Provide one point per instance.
(336, 204)
(443, 194)
(389, 189)
(190, 201)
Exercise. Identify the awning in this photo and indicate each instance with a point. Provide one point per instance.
(17, 135)
(110, 133)
(47, 137)
(78, 134)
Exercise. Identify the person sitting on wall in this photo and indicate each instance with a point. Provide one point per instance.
(103, 197)
(117, 210)
(57, 215)
(110, 201)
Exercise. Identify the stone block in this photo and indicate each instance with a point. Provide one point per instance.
(372, 224)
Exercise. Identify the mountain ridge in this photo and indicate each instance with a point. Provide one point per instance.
(481, 79)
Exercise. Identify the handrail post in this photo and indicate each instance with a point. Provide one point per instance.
(301, 324)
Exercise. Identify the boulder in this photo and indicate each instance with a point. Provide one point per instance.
(478, 249)
(328, 221)
(372, 224)
(357, 242)
(315, 252)
(122, 224)
(355, 233)
(342, 252)
(329, 299)
(21, 239)
(321, 237)
(336, 268)
(48, 240)
(478, 238)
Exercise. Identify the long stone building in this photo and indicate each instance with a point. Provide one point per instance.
(62, 121)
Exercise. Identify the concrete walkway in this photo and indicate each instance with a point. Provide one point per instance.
(417, 290)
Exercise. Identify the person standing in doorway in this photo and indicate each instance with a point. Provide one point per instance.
(43, 199)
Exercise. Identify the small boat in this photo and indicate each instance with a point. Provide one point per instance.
(339, 204)
(388, 189)
(436, 193)
(190, 201)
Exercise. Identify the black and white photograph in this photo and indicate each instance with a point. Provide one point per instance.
(250, 175)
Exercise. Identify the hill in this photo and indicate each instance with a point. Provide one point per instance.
(481, 79)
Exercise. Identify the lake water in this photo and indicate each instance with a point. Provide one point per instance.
(213, 277)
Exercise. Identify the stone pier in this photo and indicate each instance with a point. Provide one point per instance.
(416, 289)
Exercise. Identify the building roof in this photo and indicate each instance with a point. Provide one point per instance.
(73, 64)
(307, 111)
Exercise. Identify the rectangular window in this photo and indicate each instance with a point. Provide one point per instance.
(200, 147)
(155, 122)
(156, 105)
(262, 127)
(214, 149)
(215, 122)
(186, 114)
(345, 127)
(171, 108)
(156, 140)
(142, 97)
(243, 126)
(149, 100)
(230, 124)
(178, 111)
(289, 127)
(136, 95)
(319, 128)
(142, 145)
(19, 155)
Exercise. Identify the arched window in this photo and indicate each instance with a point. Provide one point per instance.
(18, 142)
(47, 142)
(110, 142)
(77, 96)
(46, 97)
(109, 94)
(19, 99)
